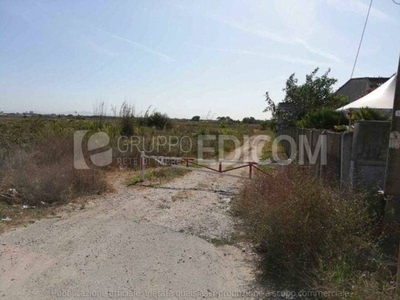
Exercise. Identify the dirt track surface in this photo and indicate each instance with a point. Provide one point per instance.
(169, 242)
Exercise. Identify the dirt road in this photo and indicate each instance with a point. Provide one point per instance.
(169, 242)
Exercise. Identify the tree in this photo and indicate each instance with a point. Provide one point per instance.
(303, 100)
(196, 118)
(159, 120)
(249, 120)
(225, 119)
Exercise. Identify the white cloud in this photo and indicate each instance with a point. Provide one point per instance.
(100, 49)
(317, 51)
(136, 44)
(280, 38)
(274, 56)
(298, 16)
(272, 36)
(144, 47)
(360, 7)
(307, 22)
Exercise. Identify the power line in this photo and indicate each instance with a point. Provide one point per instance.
(362, 37)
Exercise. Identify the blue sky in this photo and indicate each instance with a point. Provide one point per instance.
(185, 58)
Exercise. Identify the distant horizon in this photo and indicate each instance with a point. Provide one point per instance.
(185, 58)
(91, 114)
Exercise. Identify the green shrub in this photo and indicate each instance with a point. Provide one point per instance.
(329, 118)
(159, 121)
(266, 124)
(366, 113)
(323, 119)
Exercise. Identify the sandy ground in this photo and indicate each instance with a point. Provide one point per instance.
(166, 242)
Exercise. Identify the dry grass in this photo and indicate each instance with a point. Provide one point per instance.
(158, 175)
(22, 217)
(43, 176)
(36, 158)
(45, 173)
(311, 236)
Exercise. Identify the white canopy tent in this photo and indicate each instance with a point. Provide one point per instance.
(380, 98)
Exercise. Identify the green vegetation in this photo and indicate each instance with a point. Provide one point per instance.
(36, 153)
(267, 150)
(156, 120)
(366, 113)
(323, 119)
(312, 105)
(330, 119)
(315, 237)
(305, 99)
(250, 120)
(158, 176)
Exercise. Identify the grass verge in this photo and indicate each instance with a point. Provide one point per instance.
(158, 175)
(314, 237)
(36, 179)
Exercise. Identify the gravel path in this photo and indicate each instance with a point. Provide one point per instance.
(167, 242)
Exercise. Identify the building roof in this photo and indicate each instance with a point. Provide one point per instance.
(380, 98)
(355, 88)
(284, 106)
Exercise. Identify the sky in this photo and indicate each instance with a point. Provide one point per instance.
(184, 58)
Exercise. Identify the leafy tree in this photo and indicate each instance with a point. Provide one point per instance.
(159, 120)
(196, 118)
(303, 100)
(249, 120)
(225, 119)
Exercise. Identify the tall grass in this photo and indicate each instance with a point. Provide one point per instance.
(313, 236)
(36, 154)
(45, 173)
(127, 119)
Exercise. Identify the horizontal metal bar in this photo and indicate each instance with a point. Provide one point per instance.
(201, 160)
(210, 172)
(235, 168)
(215, 161)
(207, 167)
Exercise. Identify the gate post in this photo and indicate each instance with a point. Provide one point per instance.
(142, 165)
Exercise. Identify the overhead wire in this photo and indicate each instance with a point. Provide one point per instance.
(361, 39)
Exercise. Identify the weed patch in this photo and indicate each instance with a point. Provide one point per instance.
(44, 174)
(312, 236)
(158, 175)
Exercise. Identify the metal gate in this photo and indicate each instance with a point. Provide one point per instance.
(199, 165)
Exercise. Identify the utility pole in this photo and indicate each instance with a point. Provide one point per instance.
(392, 183)
(392, 180)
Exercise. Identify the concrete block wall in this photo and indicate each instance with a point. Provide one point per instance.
(356, 158)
